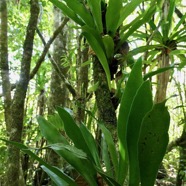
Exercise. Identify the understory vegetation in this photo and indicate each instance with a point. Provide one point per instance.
(92, 92)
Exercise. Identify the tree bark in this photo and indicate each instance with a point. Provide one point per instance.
(106, 111)
(59, 94)
(17, 107)
(82, 80)
(4, 66)
(162, 79)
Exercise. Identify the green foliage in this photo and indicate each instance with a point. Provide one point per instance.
(142, 134)
(91, 18)
(153, 142)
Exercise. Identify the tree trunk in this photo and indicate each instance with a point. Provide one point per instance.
(162, 79)
(106, 111)
(59, 94)
(16, 111)
(58, 90)
(82, 80)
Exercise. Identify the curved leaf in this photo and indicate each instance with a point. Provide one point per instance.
(141, 105)
(160, 70)
(53, 170)
(145, 17)
(128, 9)
(67, 11)
(50, 132)
(73, 131)
(109, 46)
(95, 7)
(97, 45)
(111, 147)
(81, 11)
(153, 142)
(113, 16)
(134, 82)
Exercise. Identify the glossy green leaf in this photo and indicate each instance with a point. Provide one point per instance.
(153, 142)
(73, 131)
(109, 46)
(111, 147)
(134, 82)
(78, 159)
(180, 22)
(180, 33)
(106, 158)
(98, 47)
(95, 7)
(183, 60)
(141, 105)
(52, 169)
(160, 70)
(77, 152)
(67, 11)
(167, 21)
(113, 16)
(143, 49)
(56, 179)
(56, 121)
(70, 154)
(145, 17)
(81, 11)
(128, 9)
(91, 143)
(50, 132)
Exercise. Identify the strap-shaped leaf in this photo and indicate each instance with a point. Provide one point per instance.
(56, 179)
(95, 7)
(128, 9)
(81, 11)
(50, 132)
(53, 169)
(97, 45)
(160, 70)
(111, 147)
(113, 15)
(134, 82)
(109, 46)
(67, 11)
(140, 20)
(78, 159)
(180, 22)
(73, 131)
(168, 16)
(141, 105)
(153, 142)
(91, 143)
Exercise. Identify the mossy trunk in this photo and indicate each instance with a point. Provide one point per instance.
(106, 111)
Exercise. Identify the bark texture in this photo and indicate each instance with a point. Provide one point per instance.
(82, 80)
(106, 111)
(162, 79)
(17, 107)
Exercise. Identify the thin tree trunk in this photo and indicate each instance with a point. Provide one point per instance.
(17, 108)
(82, 80)
(58, 89)
(162, 79)
(4, 66)
(58, 95)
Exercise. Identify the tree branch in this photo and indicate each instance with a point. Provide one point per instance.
(58, 70)
(47, 46)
